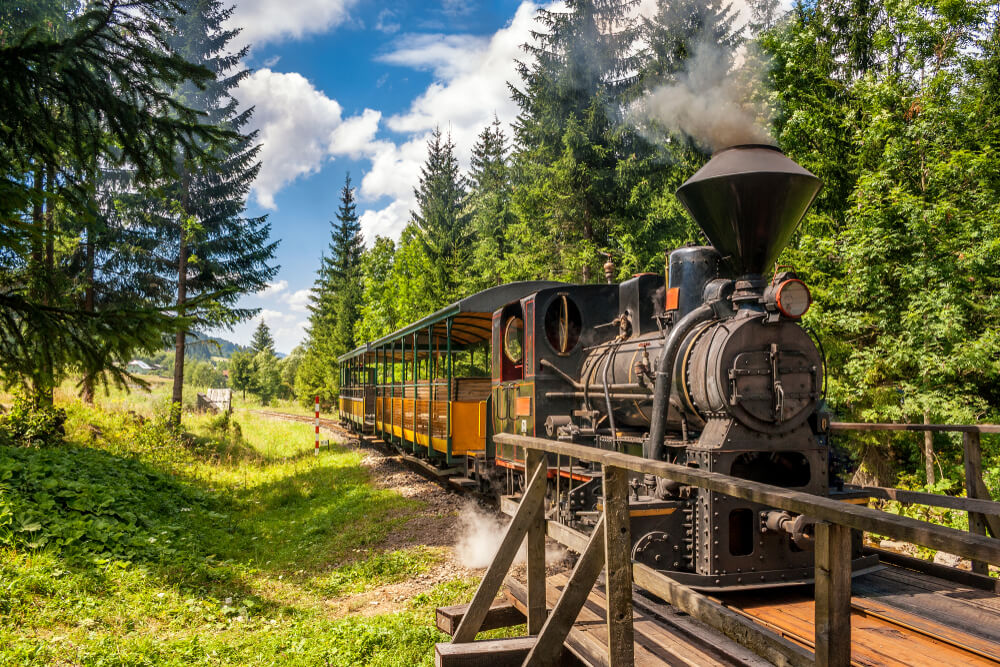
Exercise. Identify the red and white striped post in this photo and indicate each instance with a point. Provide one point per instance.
(316, 404)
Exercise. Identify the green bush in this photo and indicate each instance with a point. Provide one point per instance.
(28, 424)
(85, 502)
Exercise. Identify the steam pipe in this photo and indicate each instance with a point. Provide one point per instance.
(653, 447)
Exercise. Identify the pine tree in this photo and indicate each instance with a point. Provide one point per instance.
(489, 207)
(335, 304)
(83, 85)
(211, 252)
(441, 223)
(262, 340)
(570, 138)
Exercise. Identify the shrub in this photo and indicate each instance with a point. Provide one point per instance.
(29, 424)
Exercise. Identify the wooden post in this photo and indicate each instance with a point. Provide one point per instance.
(536, 460)
(617, 557)
(550, 641)
(528, 511)
(973, 473)
(928, 451)
(833, 595)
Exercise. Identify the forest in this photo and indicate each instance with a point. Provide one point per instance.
(137, 529)
(127, 161)
(893, 105)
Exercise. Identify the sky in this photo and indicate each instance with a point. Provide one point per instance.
(356, 87)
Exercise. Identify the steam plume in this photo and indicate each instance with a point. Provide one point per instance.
(709, 102)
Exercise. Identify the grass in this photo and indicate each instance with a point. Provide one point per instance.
(130, 545)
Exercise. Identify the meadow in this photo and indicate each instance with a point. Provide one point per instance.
(125, 543)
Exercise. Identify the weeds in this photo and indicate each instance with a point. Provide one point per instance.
(133, 544)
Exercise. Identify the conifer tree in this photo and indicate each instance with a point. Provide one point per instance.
(489, 206)
(569, 135)
(262, 340)
(211, 253)
(83, 85)
(335, 304)
(441, 223)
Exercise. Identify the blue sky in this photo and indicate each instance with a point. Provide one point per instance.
(357, 86)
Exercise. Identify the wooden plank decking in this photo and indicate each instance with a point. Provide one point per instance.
(658, 641)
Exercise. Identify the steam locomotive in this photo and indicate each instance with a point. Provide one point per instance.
(708, 367)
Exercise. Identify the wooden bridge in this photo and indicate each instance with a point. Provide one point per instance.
(910, 612)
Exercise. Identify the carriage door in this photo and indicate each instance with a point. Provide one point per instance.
(508, 355)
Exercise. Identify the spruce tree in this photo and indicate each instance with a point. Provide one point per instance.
(211, 253)
(570, 137)
(335, 304)
(489, 206)
(83, 85)
(441, 222)
(262, 340)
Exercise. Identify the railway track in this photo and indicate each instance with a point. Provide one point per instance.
(899, 616)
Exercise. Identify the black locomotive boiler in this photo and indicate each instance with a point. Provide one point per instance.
(708, 367)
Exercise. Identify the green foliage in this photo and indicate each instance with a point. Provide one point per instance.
(30, 424)
(262, 340)
(267, 376)
(241, 371)
(379, 569)
(227, 539)
(336, 300)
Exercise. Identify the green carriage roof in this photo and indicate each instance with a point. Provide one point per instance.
(471, 318)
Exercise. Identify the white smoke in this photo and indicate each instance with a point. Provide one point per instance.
(711, 101)
(479, 538)
(480, 535)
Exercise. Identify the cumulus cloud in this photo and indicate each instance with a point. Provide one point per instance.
(471, 74)
(298, 300)
(300, 128)
(274, 288)
(264, 21)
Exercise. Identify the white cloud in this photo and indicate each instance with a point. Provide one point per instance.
(446, 55)
(300, 128)
(386, 23)
(273, 288)
(298, 300)
(388, 221)
(471, 75)
(269, 21)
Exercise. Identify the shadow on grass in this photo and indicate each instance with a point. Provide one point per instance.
(92, 508)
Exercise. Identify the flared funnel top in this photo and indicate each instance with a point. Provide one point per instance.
(748, 200)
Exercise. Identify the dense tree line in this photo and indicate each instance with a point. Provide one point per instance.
(893, 106)
(124, 170)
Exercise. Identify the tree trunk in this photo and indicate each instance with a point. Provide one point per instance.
(928, 451)
(177, 398)
(87, 392)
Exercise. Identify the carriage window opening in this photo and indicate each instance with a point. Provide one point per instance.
(563, 324)
(513, 335)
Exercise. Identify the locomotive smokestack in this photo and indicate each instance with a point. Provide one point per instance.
(749, 200)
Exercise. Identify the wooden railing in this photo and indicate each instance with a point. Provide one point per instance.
(609, 545)
(977, 501)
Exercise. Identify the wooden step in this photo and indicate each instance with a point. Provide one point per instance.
(502, 614)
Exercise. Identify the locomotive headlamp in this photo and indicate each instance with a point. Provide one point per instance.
(792, 298)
